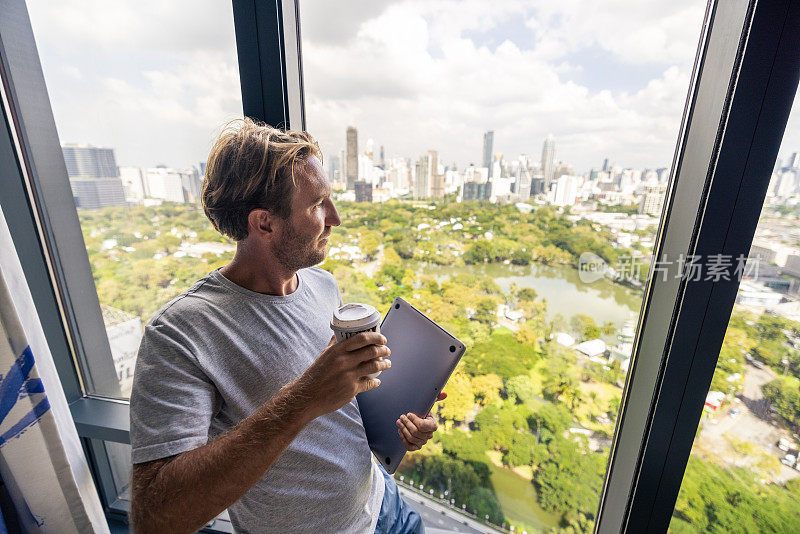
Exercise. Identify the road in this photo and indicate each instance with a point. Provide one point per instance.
(441, 519)
(753, 424)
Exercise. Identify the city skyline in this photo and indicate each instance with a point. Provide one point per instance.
(523, 69)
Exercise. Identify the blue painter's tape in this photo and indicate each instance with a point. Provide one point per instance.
(27, 420)
(34, 385)
(16, 384)
(11, 384)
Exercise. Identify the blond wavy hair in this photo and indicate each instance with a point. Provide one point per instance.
(251, 166)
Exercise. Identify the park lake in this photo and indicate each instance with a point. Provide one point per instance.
(559, 285)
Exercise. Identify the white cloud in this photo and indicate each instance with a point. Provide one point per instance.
(140, 77)
(412, 75)
(387, 81)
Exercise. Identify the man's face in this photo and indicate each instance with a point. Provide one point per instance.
(303, 239)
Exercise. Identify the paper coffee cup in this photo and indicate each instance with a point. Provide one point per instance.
(354, 318)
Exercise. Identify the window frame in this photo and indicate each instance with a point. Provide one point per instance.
(717, 181)
(722, 167)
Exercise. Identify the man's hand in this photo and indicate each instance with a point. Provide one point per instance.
(339, 373)
(416, 431)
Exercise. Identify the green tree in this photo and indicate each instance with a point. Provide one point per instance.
(479, 252)
(520, 389)
(460, 400)
(483, 502)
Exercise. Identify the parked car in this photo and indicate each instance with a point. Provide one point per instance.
(734, 413)
(790, 460)
(784, 444)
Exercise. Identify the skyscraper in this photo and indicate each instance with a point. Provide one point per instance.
(87, 161)
(363, 191)
(488, 147)
(548, 160)
(426, 183)
(96, 193)
(93, 176)
(352, 157)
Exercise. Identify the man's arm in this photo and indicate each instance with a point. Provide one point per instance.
(182, 493)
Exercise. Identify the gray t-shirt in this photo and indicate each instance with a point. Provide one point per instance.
(212, 357)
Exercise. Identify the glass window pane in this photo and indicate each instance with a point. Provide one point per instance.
(503, 166)
(119, 461)
(743, 474)
(138, 91)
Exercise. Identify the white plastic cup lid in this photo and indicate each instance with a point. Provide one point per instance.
(355, 315)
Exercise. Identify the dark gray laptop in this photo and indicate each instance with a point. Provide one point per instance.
(423, 356)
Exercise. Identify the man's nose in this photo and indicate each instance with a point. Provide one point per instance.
(333, 217)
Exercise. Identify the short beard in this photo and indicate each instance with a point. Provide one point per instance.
(296, 254)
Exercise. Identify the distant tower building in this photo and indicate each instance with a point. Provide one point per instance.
(652, 200)
(476, 191)
(524, 180)
(342, 174)
(566, 191)
(605, 164)
(363, 191)
(87, 161)
(488, 146)
(548, 160)
(382, 162)
(134, 183)
(370, 151)
(332, 165)
(93, 176)
(96, 193)
(352, 157)
(427, 170)
(435, 180)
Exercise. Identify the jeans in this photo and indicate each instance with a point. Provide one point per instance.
(397, 516)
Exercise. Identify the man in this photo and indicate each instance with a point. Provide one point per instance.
(241, 398)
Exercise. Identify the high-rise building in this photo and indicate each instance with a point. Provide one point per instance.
(87, 161)
(537, 185)
(421, 183)
(488, 147)
(476, 191)
(134, 183)
(173, 185)
(566, 190)
(342, 174)
(363, 191)
(96, 193)
(352, 157)
(548, 160)
(524, 180)
(436, 177)
(428, 182)
(382, 161)
(652, 200)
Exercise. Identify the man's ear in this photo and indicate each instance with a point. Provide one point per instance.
(260, 222)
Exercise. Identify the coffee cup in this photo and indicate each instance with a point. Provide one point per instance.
(354, 318)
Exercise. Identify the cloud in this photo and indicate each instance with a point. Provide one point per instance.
(608, 79)
(143, 78)
(412, 80)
